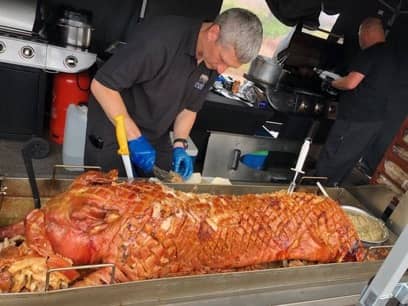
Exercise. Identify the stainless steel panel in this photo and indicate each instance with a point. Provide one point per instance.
(267, 287)
(68, 60)
(12, 52)
(18, 14)
(219, 158)
(45, 56)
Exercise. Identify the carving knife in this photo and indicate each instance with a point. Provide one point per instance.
(166, 176)
(123, 145)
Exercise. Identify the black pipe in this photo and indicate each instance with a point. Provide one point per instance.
(37, 148)
(313, 129)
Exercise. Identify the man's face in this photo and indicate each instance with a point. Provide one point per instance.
(219, 57)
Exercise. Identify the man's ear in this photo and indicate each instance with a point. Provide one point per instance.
(214, 32)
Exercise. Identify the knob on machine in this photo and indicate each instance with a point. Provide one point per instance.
(27, 52)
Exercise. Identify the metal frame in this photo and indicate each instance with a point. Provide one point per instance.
(384, 285)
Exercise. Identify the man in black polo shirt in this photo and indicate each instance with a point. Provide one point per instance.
(160, 79)
(363, 101)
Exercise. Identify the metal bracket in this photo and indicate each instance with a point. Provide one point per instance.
(109, 265)
(401, 293)
(54, 169)
(384, 284)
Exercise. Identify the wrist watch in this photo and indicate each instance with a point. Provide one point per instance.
(183, 141)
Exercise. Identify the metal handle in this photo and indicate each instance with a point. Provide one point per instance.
(302, 157)
(235, 159)
(330, 33)
(271, 103)
(54, 170)
(3, 191)
(50, 71)
(109, 265)
(376, 247)
(142, 12)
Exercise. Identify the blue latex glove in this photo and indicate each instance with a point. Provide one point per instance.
(142, 154)
(182, 163)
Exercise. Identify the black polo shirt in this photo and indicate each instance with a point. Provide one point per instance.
(157, 74)
(368, 101)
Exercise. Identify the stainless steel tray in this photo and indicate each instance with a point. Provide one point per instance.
(263, 287)
(319, 283)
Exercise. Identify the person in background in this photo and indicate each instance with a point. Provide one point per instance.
(158, 81)
(362, 104)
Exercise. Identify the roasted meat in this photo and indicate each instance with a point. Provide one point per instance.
(149, 230)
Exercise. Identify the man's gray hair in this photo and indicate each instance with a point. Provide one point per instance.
(242, 30)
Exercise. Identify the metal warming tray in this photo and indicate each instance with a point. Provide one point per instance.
(323, 284)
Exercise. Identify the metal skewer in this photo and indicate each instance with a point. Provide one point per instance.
(321, 188)
(299, 164)
(302, 156)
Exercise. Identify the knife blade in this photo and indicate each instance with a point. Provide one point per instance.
(167, 176)
(123, 150)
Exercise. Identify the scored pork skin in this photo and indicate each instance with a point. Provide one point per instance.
(149, 230)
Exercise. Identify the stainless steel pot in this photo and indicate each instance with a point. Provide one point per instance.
(75, 31)
(265, 69)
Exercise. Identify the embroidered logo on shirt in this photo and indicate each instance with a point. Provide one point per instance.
(201, 82)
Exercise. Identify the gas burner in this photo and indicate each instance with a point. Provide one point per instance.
(39, 54)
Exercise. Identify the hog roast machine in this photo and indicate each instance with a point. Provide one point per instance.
(321, 284)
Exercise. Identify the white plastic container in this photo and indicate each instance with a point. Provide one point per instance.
(74, 137)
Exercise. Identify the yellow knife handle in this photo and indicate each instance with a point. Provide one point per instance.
(121, 135)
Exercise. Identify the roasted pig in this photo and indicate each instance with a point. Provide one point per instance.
(149, 230)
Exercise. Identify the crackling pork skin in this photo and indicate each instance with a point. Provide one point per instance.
(149, 230)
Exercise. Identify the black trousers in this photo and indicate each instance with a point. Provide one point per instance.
(346, 143)
(107, 158)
